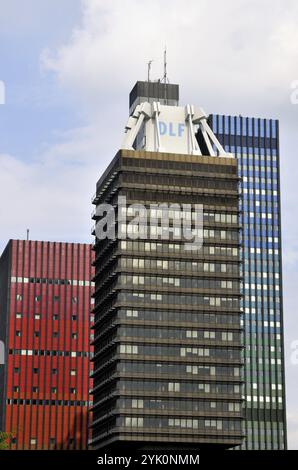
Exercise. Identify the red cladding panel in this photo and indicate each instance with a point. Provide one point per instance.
(48, 366)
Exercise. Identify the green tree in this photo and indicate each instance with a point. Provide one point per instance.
(4, 440)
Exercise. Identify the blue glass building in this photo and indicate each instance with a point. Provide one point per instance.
(256, 145)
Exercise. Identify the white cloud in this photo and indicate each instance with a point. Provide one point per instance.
(51, 195)
(235, 54)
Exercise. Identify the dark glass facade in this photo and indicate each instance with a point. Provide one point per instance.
(255, 142)
(167, 334)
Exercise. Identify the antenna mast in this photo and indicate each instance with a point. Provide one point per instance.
(165, 78)
(149, 69)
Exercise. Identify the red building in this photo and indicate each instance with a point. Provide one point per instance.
(45, 320)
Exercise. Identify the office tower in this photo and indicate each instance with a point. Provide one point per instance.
(255, 142)
(167, 332)
(45, 295)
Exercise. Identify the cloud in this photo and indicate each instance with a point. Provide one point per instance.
(225, 54)
(51, 194)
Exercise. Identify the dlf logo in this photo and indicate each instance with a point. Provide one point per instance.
(171, 129)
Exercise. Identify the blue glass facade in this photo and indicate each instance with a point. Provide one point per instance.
(256, 145)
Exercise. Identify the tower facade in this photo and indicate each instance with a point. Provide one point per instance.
(167, 333)
(255, 142)
(45, 303)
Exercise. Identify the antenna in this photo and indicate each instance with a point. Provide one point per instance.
(27, 234)
(165, 65)
(165, 77)
(149, 69)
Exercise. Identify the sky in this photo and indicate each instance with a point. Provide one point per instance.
(68, 67)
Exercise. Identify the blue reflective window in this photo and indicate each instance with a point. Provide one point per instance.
(250, 129)
(274, 125)
(262, 129)
(238, 126)
(267, 122)
(232, 130)
(220, 124)
(227, 126)
(214, 123)
(256, 127)
(244, 129)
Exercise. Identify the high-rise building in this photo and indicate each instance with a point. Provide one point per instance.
(45, 304)
(255, 142)
(167, 334)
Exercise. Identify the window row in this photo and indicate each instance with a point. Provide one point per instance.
(183, 212)
(139, 246)
(37, 334)
(177, 333)
(176, 351)
(54, 371)
(179, 387)
(136, 230)
(184, 282)
(180, 316)
(189, 266)
(61, 282)
(181, 165)
(173, 182)
(179, 405)
(21, 401)
(38, 298)
(42, 352)
(192, 300)
(139, 367)
(183, 423)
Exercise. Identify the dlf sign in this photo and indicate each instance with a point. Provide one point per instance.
(171, 129)
(168, 130)
(158, 128)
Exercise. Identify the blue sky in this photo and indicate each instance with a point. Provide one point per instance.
(68, 66)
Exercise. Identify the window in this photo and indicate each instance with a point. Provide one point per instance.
(56, 298)
(137, 403)
(174, 387)
(55, 317)
(52, 442)
(54, 390)
(18, 315)
(34, 389)
(73, 390)
(36, 334)
(18, 333)
(73, 372)
(54, 371)
(74, 335)
(37, 316)
(33, 441)
(74, 300)
(37, 298)
(19, 297)
(35, 370)
(16, 389)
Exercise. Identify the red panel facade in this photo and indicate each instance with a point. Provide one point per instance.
(47, 382)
